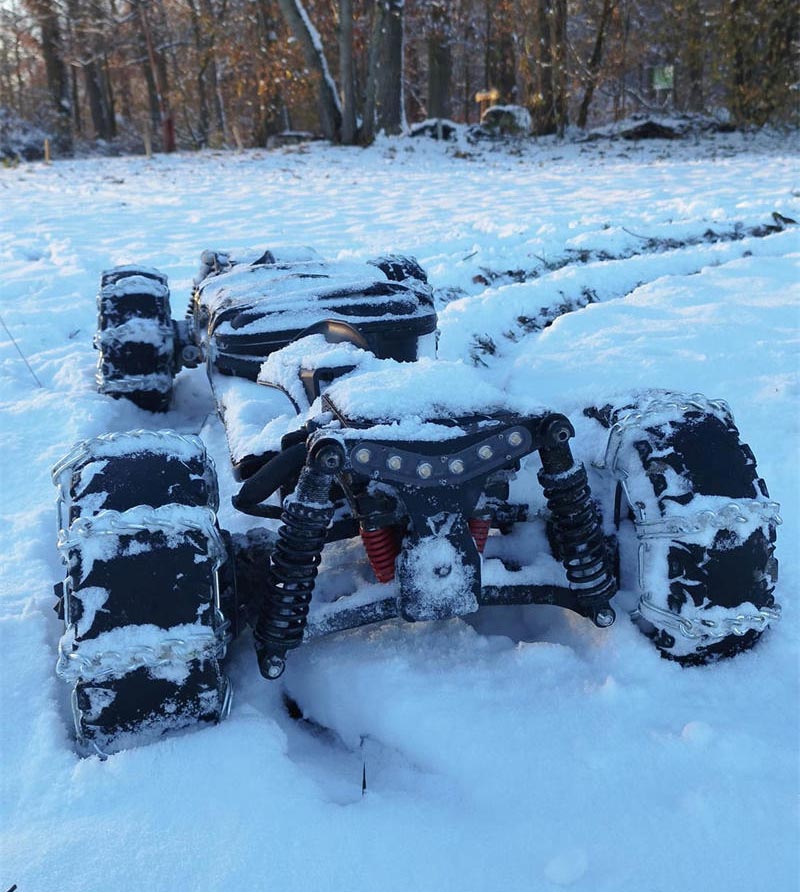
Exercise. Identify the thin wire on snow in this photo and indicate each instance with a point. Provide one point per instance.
(24, 359)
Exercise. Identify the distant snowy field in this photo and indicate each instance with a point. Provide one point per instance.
(524, 749)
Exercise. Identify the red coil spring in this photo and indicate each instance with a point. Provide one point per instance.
(479, 527)
(382, 547)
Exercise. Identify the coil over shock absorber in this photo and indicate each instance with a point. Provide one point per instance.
(479, 527)
(382, 546)
(576, 525)
(306, 515)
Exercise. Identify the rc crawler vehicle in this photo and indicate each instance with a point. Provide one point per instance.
(382, 483)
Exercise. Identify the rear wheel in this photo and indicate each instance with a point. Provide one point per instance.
(144, 632)
(135, 337)
(704, 526)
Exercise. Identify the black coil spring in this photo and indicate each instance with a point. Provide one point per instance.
(578, 533)
(290, 583)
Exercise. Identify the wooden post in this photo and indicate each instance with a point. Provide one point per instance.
(148, 139)
(46, 151)
(237, 137)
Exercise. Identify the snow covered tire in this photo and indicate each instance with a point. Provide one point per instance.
(135, 337)
(144, 633)
(705, 526)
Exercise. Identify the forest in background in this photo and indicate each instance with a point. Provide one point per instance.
(214, 73)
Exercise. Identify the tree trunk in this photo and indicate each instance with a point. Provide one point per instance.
(77, 120)
(694, 53)
(158, 69)
(212, 17)
(595, 61)
(201, 132)
(330, 109)
(384, 105)
(109, 97)
(46, 15)
(88, 22)
(440, 63)
(346, 73)
(544, 118)
(559, 65)
(270, 99)
(97, 96)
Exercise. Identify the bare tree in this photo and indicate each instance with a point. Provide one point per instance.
(330, 108)
(383, 109)
(440, 61)
(45, 14)
(158, 79)
(346, 72)
(251, 68)
(595, 61)
(91, 41)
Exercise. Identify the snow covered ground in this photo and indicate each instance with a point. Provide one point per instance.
(524, 749)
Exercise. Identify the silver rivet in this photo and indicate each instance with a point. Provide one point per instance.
(425, 469)
(515, 438)
(363, 455)
(456, 466)
(485, 452)
(394, 462)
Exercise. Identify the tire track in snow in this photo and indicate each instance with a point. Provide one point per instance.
(481, 329)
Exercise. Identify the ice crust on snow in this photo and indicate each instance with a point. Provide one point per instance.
(520, 731)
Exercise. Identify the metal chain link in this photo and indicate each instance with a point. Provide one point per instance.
(160, 381)
(740, 512)
(703, 628)
(637, 418)
(172, 518)
(74, 666)
(92, 449)
(116, 334)
(85, 448)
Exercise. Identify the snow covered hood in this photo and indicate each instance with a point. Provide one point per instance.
(256, 293)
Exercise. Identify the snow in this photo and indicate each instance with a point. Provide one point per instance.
(517, 748)
(517, 114)
(135, 285)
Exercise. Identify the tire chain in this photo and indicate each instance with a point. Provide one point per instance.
(733, 512)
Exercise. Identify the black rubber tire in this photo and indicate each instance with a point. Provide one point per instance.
(135, 337)
(705, 528)
(143, 580)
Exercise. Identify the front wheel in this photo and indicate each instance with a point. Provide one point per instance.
(703, 550)
(144, 633)
(135, 337)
